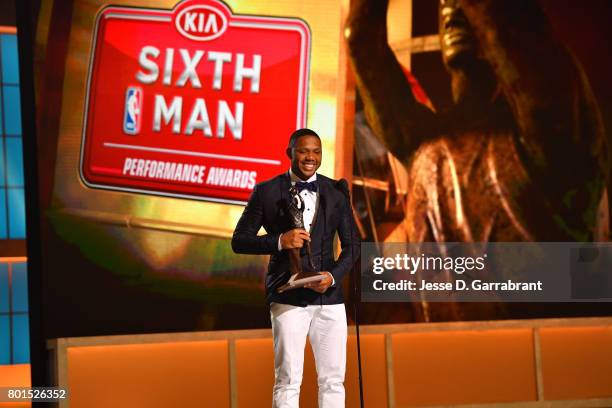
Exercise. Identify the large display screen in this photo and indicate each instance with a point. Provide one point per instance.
(157, 118)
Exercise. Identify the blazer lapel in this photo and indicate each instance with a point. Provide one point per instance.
(283, 204)
(323, 206)
(327, 192)
(285, 184)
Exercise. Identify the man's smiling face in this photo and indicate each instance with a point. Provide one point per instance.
(306, 156)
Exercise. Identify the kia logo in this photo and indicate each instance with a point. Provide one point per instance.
(200, 23)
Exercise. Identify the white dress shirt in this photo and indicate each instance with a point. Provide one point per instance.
(310, 200)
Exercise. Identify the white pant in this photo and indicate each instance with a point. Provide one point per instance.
(326, 327)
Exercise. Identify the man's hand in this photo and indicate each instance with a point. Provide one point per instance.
(322, 285)
(294, 238)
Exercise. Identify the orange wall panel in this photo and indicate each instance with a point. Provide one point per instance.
(463, 367)
(576, 362)
(15, 375)
(254, 372)
(373, 364)
(433, 366)
(149, 375)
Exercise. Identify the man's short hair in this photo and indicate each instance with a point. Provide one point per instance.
(299, 133)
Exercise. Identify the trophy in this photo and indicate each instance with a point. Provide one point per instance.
(298, 277)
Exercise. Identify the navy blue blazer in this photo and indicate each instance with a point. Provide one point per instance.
(268, 207)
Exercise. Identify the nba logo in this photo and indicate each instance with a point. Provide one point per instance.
(132, 116)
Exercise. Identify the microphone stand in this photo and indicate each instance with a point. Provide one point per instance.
(343, 187)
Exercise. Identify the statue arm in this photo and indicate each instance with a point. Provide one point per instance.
(548, 92)
(560, 135)
(390, 106)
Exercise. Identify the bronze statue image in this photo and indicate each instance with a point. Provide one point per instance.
(521, 155)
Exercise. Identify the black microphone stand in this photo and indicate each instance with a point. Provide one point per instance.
(343, 187)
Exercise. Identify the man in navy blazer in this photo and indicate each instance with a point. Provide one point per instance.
(316, 310)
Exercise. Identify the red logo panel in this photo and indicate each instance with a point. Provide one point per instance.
(192, 102)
